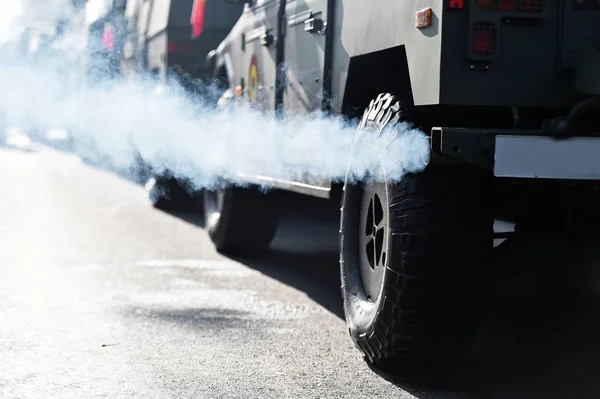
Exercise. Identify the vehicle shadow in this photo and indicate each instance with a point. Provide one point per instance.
(191, 216)
(538, 339)
(304, 252)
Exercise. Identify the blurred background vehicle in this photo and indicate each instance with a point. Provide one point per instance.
(165, 42)
(168, 41)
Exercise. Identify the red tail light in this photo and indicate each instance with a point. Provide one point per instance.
(171, 46)
(482, 43)
(197, 19)
(483, 39)
(108, 38)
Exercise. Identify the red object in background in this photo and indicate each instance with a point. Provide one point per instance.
(197, 19)
(108, 38)
(171, 46)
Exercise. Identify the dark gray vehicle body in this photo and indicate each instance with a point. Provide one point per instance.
(546, 57)
(532, 66)
(160, 35)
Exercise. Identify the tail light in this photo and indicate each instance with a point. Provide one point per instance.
(171, 47)
(108, 38)
(197, 18)
(484, 39)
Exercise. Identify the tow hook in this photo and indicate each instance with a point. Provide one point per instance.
(563, 127)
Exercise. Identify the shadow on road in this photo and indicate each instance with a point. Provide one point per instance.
(206, 318)
(538, 339)
(192, 217)
(304, 252)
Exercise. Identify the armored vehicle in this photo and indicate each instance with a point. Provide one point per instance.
(507, 93)
(175, 35)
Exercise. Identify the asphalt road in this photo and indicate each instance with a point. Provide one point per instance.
(103, 296)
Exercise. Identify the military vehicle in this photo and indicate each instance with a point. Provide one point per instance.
(507, 92)
(175, 36)
(101, 24)
(170, 40)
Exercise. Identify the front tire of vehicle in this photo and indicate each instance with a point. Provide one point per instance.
(240, 221)
(412, 255)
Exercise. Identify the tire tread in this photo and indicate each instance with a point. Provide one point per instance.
(441, 229)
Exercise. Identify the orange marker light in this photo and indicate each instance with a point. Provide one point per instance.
(423, 18)
(238, 90)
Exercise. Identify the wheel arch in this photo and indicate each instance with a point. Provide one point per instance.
(220, 74)
(224, 68)
(384, 71)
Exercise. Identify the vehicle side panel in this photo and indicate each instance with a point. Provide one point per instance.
(157, 54)
(304, 53)
(364, 27)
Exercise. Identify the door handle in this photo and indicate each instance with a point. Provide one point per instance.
(267, 39)
(262, 33)
(314, 25)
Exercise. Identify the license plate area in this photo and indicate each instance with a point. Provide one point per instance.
(541, 157)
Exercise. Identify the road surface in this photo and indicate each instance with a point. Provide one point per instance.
(102, 296)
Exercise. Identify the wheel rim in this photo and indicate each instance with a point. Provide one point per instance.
(373, 238)
(213, 203)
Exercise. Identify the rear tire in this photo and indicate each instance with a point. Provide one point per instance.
(240, 220)
(412, 256)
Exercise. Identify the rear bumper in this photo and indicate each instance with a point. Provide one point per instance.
(547, 158)
(521, 154)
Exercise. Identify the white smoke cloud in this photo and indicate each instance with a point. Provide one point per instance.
(123, 119)
(11, 12)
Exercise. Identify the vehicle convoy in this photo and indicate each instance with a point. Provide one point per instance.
(171, 39)
(507, 91)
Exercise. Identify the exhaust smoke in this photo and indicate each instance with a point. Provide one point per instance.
(123, 120)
